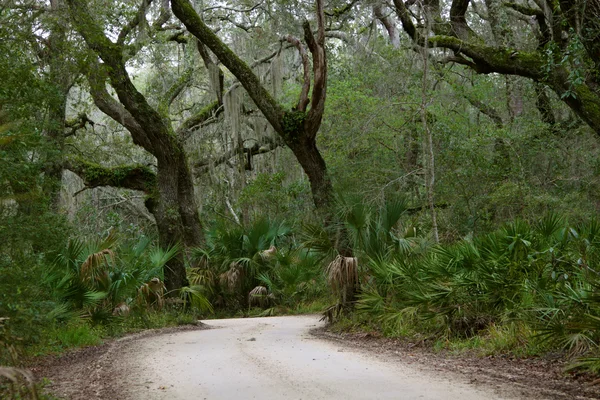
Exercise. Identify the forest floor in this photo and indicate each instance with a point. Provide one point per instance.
(294, 358)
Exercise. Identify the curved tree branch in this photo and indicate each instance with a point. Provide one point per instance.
(134, 23)
(175, 90)
(210, 111)
(261, 97)
(72, 126)
(111, 107)
(550, 69)
(303, 99)
(388, 24)
(134, 177)
(265, 146)
(319, 92)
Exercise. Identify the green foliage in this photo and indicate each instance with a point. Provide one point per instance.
(523, 289)
(525, 286)
(238, 259)
(292, 124)
(92, 278)
(276, 196)
(375, 232)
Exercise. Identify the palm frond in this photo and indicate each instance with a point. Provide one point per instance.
(317, 239)
(95, 265)
(549, 225)
(160, 257)
(392, 212)
(196, 295)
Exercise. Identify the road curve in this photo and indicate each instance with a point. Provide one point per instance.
(272, 359)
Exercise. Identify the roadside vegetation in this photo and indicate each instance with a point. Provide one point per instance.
(525, 289)
(427, 179)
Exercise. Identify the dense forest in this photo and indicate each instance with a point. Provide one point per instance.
(425, 168)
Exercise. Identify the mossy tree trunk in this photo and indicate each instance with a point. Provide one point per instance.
(174, 205)
(563, 24)
(297, 127)
(54, 58)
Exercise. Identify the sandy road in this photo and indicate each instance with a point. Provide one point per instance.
(273, 358)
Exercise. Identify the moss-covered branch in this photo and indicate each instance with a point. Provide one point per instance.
(72, 126)
(210, 111)
(525, 10)
(111, 107)
(489, 59)
(548, 64)
(134, 22)
(339, 11)
(184, 10)
(175, 90)
(134, 177)
(298, 129)
(266, 146)
(154, 125)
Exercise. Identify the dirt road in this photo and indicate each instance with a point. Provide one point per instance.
(272, 358)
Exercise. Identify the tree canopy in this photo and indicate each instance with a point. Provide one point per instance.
(229, 147)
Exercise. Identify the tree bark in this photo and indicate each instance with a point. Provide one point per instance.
(62, 79)
(174, 201)
(314, 166)
(387, 23)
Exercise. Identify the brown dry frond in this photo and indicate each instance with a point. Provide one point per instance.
(201, 276)
(152, 293)
(232, 279)
(20, 382)
(342, 272)
(122, 309)
(92, 268)
(258, 296)
(269, 253)
(342, 276)
(223, 280)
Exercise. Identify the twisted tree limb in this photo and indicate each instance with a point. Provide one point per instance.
(582, 96)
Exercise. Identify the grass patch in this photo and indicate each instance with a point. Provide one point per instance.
(77, 333)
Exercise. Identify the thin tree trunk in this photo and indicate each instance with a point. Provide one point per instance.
(430, 173)
(61, 78)
(315, 169)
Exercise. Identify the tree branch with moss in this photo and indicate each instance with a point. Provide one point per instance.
(266, 145)
(134, 177)
(297, 128)
(549, 64)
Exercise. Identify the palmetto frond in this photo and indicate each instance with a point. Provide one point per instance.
(95, 266)
(160, 257)
(342, 273)
(195, 294)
